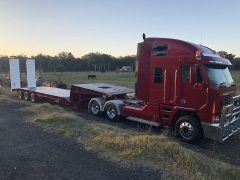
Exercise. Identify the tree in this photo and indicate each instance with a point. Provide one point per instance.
(230, 57)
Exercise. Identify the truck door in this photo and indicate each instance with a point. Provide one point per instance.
(193, 89)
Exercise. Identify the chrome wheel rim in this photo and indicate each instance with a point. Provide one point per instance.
(186, 130)
(32, 97)
(26, 96)
(111, 112)
(19, 94)
(95, 108)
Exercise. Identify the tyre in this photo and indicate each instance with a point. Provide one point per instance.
(188, 129)
(20, 94)
(112, 112)
(33, 97)
(26, 95)
(94, 108)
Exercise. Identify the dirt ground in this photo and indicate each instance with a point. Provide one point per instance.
(28, 152)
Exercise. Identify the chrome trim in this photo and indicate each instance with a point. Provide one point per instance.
(229, 123)
(175, 86)
(101, 101)
(164, 84)
(118, 104)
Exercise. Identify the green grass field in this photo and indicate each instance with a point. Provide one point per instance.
(121, 79)
(126, 79)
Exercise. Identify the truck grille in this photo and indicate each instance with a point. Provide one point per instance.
(227, 99)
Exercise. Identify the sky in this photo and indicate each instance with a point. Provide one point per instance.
(30, 27)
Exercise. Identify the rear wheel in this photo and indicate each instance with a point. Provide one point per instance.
(33, 97)
(94, 108)
(20, 94)
(26, 95)
(188, 128)
(112, 112)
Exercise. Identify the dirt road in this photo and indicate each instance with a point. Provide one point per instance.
(28, 152)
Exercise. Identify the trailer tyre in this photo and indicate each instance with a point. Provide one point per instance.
(188, 129)
(20, 94)
(26, 95)
(112, 112)
(94, 108)
(33, 97)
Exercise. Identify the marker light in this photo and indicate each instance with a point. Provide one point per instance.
(216, 119)
(198, 54)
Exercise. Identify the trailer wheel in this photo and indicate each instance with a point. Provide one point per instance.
(33, 97)
(26, 95)
(112, 112)
(94, 108)
(188, 128)
(20, 94)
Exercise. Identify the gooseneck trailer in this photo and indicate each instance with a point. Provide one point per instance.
(184, 86)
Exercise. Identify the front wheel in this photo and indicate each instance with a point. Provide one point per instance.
(188, 128)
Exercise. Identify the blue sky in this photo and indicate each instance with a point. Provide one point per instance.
(114, 27)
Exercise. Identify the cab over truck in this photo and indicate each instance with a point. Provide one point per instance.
(181, 85)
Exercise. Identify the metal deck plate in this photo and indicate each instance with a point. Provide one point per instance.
(106, 88)
(63, 93)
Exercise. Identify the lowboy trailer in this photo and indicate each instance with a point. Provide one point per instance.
(182, 85)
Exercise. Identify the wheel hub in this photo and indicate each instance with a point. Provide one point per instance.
(111, 112)
(186, 130)
(95, 108)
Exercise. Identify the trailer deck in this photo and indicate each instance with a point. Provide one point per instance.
(57, 92)
(77, 97)
(105, 89)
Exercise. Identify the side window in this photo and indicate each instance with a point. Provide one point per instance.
(158, 75)
(160, 50)
(186, 73)
(199, 75)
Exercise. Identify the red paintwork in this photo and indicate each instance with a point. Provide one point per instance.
(163, 101)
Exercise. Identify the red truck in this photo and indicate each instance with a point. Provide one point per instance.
(181, 85)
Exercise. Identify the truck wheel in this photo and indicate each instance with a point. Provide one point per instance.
(26, 96)
(33, 97)
(188, 128)
(94, 108)
(20, 94)
(112, 112)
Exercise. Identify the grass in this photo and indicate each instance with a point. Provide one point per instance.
(129, 146)
(123, 79)
(125, 145)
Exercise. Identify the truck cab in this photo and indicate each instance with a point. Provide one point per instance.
(187, 87)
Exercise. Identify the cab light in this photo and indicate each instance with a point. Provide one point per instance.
(198, 54)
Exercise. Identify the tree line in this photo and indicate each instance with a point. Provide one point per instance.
(65, 61)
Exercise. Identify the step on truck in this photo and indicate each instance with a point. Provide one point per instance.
(181, 85)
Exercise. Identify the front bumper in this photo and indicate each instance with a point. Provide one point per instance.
(229, 123)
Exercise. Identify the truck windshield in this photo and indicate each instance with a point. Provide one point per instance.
(219, 75)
